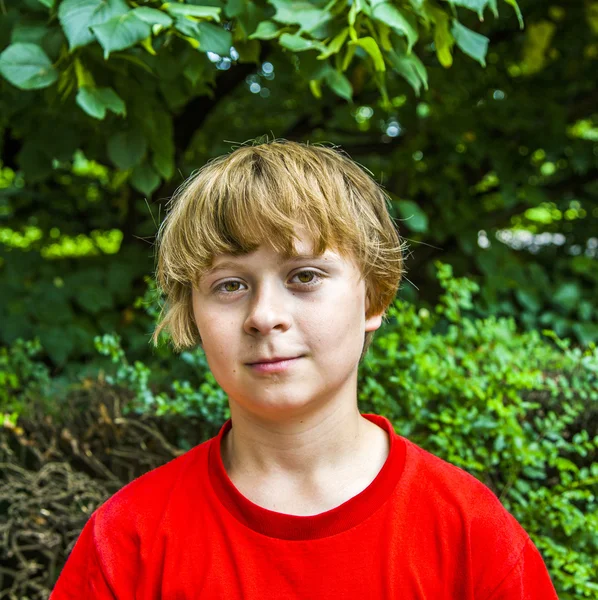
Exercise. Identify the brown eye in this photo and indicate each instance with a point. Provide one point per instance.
(315, 279)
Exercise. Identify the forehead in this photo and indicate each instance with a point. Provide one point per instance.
(224, 261)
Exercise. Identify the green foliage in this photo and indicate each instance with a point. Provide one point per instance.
(208, 402)
(22, 379)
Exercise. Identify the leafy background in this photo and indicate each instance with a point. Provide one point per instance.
(477, 116)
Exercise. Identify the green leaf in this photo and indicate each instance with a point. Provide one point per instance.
(121, 32)
(55, 343)
(28, 33)
(529, 298)
(410, 67)
(477, 6)
(371, 47)
(471, 43)
(235, 8)
(247, 20)
(94, 298)
(336, 44)
(35, 161)
(296, 43)
(390, 15)
(443, 40)
(163, 162)
(192, 10)
(145, 179)
(153, 16)
(339, 84)
(211, 38)
(77, 16)
(27, 67)
(586, 332)
(214, 38)
(515, 6)
(415, 218)
(567, 295)
(127, 148)
(266, 30)
(307, 16)
(249, 51)
(95, 101)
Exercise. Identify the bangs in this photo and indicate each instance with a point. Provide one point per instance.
(239, 202)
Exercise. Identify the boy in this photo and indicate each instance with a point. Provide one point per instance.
(281, 260)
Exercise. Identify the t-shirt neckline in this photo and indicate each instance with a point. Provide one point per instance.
(295, 527)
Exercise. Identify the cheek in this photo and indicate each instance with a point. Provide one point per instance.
(215, 331)
(332, 323)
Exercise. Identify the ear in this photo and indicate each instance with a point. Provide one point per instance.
(375, 321)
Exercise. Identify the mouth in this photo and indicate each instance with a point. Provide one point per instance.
(275, 366)
(275, 360)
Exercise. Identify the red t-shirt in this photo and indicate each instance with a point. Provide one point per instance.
(423, 528)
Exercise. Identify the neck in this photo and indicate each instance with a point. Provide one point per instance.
(309, 464)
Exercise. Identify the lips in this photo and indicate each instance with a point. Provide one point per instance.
(273, 360)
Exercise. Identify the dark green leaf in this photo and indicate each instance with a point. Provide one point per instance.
(410, 67)
(266, 30)
(95, 101)
(191, 10)
(77, 16)
(567, 295)
(94, 298)
(211, 38)
(471, 43)
(477, 6)
(145, 179)
(127, 148)
(27, 67)
(387, 13)
(307, 16)
(529, 299)
(31, 33)
(214, 38)
(586, 332)
(415, 218)
(340, 84)
(121, 32)
(153, 16)
(296, 43)
(55, 343)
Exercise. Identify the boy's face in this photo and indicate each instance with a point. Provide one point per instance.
(268, 308)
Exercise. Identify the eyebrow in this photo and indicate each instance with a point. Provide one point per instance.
(295, 259)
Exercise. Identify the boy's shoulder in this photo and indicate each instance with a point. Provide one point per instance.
(444, 480)
(442, 470)
(146, 497)
(444, 492)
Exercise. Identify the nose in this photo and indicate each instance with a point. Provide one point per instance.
(269, 308)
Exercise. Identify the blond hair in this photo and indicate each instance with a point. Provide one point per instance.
(258, 194)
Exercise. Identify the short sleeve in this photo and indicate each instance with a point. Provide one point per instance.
(527, 580)
(102, 564)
